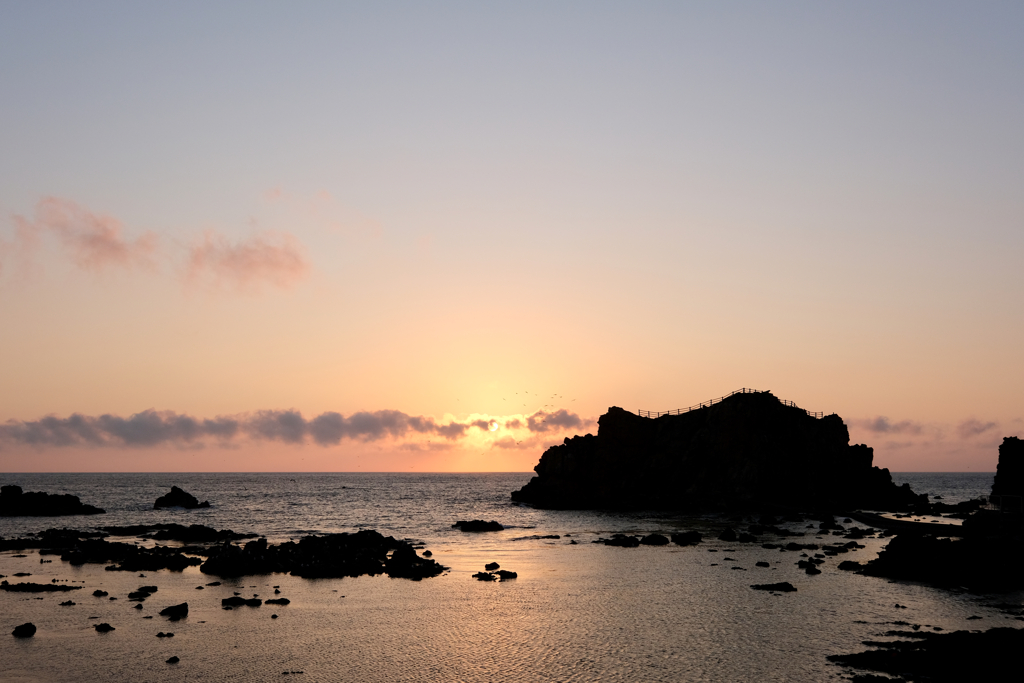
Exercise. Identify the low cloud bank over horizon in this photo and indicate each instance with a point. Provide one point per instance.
(151, 428)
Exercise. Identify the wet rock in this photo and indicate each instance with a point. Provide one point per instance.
(17, 503)
(761, 564)
(173, 660)
(175, 612)
(26, 630)
(68, 603)
(277, 601)
(485, 576)
(28, 587)
(850, 566)
(654, 539)
(621, 541)
(99, 594)
(747, 538)
(505, 575)
(782, 587)
(179, 498)
(687, 538)
(491, 566)
(103, 628)
(478, 525)
(728, 535)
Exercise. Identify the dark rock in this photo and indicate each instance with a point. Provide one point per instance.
(26, 630)
(427, 553)
(728, 535)
(687, 538)
(783, 587)
(175, 612)
(36, 587)
(761, 564)
(491, 566)
(850, 566)
(277, 601)
(173, 660)
(179, 498)
(747, 538)
(99, 594)
(654, 539)
(968, 562)
(103, 628)
(236, 601)
(1009, 480)
(750, 449)
(485, 576)
(942, 658)
(16, 503)
(68, 603)
(505, 575)
(193, 533)
(621, 541)
(478, 525)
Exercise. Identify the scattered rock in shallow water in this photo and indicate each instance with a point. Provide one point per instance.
(213, 583)
(99, 593)
(235, 601)
(654, 539)
(761, 564)
(491, 566)
(17, 503)
(179, 498)
(427, 553)
(173, 660)
(485, 576)
(67, 603)
(26, 630)
(621, 541)
(278, 601)
(478, 525)
(505, 575)
(103, 628)
(164, 635)
(782, 587)
(687, 538)
(850, 566)
(175, 612)
(728, 535)
(36, 587)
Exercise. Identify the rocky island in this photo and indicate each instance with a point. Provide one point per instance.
(748, 450)
(17, 503)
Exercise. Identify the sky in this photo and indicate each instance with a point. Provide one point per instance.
(392, 236)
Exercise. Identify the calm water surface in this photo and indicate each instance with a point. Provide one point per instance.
(583, 612)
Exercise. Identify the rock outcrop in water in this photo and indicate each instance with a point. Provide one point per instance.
(17, 503)
(179, 498)
(750, 449)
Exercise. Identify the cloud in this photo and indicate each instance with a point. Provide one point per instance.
(95, 241)
(155, 428)
(972, 427)
(560, 419)
(882, 425)
(273, 258)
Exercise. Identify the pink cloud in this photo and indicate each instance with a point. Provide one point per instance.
(275, 259)
(95, 241)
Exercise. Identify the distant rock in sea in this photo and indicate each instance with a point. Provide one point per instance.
(749, 449)
(478, 525)
(179, 498)
(16, 503)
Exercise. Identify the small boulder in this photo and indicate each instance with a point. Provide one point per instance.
(175, 612)
(478, 525)
(103, 628)
(491, 566)
(506, 575)
(24, 631)
(654, 539)
(729, 536)
(783, 587)
(173, 660)
(687, 538)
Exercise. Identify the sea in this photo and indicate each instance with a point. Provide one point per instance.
(578, 611)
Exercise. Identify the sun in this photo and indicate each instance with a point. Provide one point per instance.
(493, 426)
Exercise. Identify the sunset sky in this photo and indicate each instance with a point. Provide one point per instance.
(326, 236)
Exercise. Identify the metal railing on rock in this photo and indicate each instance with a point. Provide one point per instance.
(708, 404)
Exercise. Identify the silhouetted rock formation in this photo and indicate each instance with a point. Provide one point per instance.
(939, 657)
(748, 450)
(26, 630)
(175, 612)
(16, 503)
(972, 562)
(193, 533)
(178, 498)
(320, 557)
(1009, 479)
(478, 525)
